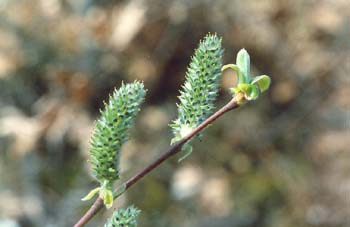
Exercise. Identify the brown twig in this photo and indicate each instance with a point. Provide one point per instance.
(174, 149)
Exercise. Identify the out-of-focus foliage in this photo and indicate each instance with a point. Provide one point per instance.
(281, 161)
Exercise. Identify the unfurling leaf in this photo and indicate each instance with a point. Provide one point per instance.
(91, 194)
(247, 88)
(263, 82)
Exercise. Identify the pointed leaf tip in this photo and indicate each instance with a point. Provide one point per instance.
(230, 66)
(91, 194)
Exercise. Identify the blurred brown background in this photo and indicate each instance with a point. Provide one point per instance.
(282, 161)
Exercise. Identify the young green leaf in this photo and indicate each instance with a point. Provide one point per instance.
(263, 82)
(247, 88)
(91, 194)
(243, 63)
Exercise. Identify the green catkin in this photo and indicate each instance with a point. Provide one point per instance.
(111, 131)
(123, 218)
(201, 87)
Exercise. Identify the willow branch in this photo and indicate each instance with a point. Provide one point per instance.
(174, 149)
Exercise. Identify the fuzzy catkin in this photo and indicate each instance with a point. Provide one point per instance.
(124, 218)
(111, 130)
(201, 86)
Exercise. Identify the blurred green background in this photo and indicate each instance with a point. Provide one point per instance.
(282, 161)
